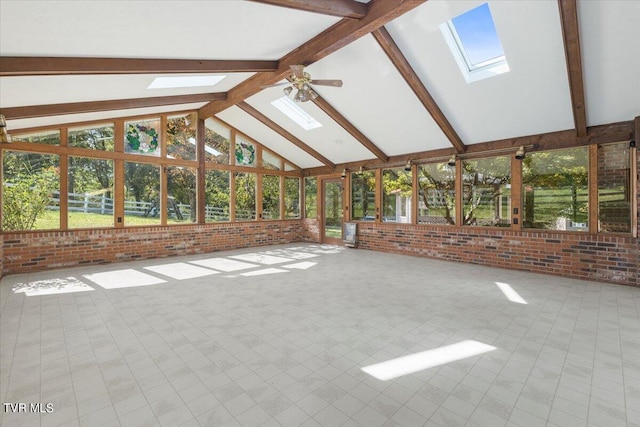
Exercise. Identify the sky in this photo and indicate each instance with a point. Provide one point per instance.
(478, 34)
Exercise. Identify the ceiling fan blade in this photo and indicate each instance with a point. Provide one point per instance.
(335, 83)
(275, 85)
(297, 70)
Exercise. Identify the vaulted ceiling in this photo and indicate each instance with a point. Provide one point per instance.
(573, 71)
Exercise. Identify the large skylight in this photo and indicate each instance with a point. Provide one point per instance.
(295, 113)
(184, 81)
(473, 40)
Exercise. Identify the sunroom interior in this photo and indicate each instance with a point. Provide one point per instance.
(496, 138)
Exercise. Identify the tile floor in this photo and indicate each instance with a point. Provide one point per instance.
(279, 336)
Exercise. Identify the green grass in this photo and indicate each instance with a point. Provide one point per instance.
(51, 220)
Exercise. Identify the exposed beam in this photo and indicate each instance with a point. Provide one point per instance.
(47, 66)
(571, 38)
(284, 133)
(339, 35)
(116, 104)
(349, 127)
(398, 59)
(341, 8)
(603, 134)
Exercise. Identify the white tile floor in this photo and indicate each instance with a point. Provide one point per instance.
(278, 336)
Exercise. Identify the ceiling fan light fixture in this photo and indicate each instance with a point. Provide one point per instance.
(299, 96)
(287, 90)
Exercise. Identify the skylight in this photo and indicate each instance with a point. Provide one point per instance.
(184, 81)
(295, 113)
(473, 40)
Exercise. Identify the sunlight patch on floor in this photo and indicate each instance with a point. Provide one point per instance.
(128, 278)
(264, 272)
(224, 264)
(181, 270)
(261, 258)
(53, 286)
(417, 362)
(301, 265)
(510, 293)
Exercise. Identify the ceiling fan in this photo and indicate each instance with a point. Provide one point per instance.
(302, 81)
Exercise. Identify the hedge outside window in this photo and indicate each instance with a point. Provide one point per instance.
(90, 193)
(96, 137)
(311, 197)
(217, 196)
(181, 197)
(291, 198)
(487, 191)
(555, 189)
(217, 140)
(396, 195)
(363, 195)
(614, 188)
(30, 191)
(181, 137)
(245, 196)
(437, 194)
(142, 194)
(270, 197)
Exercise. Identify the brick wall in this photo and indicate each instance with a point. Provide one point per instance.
(36, 251)
(1, 254)
(310, 230)
(604, 258)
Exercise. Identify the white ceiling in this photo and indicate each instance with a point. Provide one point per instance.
(532, 98)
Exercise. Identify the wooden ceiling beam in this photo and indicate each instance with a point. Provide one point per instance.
(284, 133)
(379, 12)
(341, 8)
(55, 66)
(571, 38)
(349, 127)
(116, 104)
(603, 134)
(400, 62)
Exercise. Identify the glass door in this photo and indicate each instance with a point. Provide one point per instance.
(332, 211)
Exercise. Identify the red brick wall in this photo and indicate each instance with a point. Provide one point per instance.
(310, 230)
(36, 251)
(604, 258)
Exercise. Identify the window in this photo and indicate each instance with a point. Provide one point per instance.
(437, 194)
(217, 140)
(291, 198)
(311, 198)
(217, 197)
(270, 161)
(49, 137)
(396, 195)
(181, 137)
(142, 194)
(296, 113)
(181, 197)
(143, 137)
(270, 197)
(473, 40)
(245, 196)
(90, 193)
(245, 152)
(614, 188)
(363, 195)
(95, 137)
(487, 191)
(30, 191)
(555, 189)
